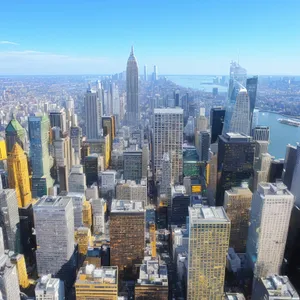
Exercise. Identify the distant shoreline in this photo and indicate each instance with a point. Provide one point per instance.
(279, 113)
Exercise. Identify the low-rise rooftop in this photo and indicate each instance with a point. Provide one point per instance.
(127, 206)
(91, 274)
(207, 214)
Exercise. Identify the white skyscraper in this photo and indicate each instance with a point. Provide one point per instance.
(240, 120)
(54, 225)
(155, 75)
(168, 138)
(77, 180)
(269, 221)
(93, 114)
(48, 288)
(145, 73)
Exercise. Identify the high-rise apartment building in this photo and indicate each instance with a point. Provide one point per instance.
(48, 288)
(210, 228)
(93, 114)
(54, 225)
(127, 235)
(38, 129)
(132, 89)
(217, 115)
(271, 210)
(9, 219)
(96, 283)
(130, 190)
(235, 162)
(240, 119)
(15, 133)
(133, 165)
(237, 204)
(168, 138)
(77, 180)
(18, 175)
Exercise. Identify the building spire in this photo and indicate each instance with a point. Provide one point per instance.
(131, 53)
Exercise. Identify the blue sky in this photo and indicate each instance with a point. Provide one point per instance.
(180, 37)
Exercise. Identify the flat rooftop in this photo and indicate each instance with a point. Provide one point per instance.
(168, 110)
(47, 283)
(127, 206)
(280, 286)
(234, 296)
(92, 274)
(53, 201)
(274, 189)
(210, 214)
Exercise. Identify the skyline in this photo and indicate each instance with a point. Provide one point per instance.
(183, 38)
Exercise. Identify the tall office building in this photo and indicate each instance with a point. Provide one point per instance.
(261, 133)
(91, 168)
(77, 180)
(132, 165)
(217, 115)
(237, 204)
(58, 118)
(237, 80)
(210, 228)
(295, 187)
(251, 86)
(99, 207)
(75, 137)
(289, 165)
(204, 146)
(271, 210)
(127, 235)
(96, 283)
(93, 114)
(54, 226)
(168, 138)
(132, 89)
(38, 127)
(15, 133)
(240, 119)
(235, 162)
(130, 190)
(145, 73)
(166, 177)
(49, 288)
(155, 74)
(9, 219)
(18, 176)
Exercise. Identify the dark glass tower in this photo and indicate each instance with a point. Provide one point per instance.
(217, 115)
(235, 162)
(132, 89)
(251, 87)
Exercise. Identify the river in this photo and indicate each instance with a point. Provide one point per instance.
(281, 134)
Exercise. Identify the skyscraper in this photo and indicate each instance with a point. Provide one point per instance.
(166, 177)
(18, 176)
(261, 133)
(132, 89)
(251, 86)
(210, 228)
(77, 180)
(54, 225)
(145, 73)
(127, 235)
(217, 115)
(240, 119)
(237, 80)
(9, 219)
(168, 138)
(235, 162)
(93, 114)
(14, 133)
(269, 222)
(204, 145)
(38, 127)
(295, 187)
(237, 204)
(289, 165)
(91, 168)
(132, 165)
(49, 288)
(58, 119)
(155, 75)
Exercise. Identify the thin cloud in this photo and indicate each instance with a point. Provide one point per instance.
(8, 43)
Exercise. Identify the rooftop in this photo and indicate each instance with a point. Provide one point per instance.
(127, 206)
(90, 274)
(13, 125)
(47, 283)
(280, 286)
(168, 110)
(53, 201)
(278, 188)
(234, 296)
(208, 214)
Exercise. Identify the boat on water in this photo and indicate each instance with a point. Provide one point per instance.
(289, 122)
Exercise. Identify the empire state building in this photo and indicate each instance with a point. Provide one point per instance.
(132, 88)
